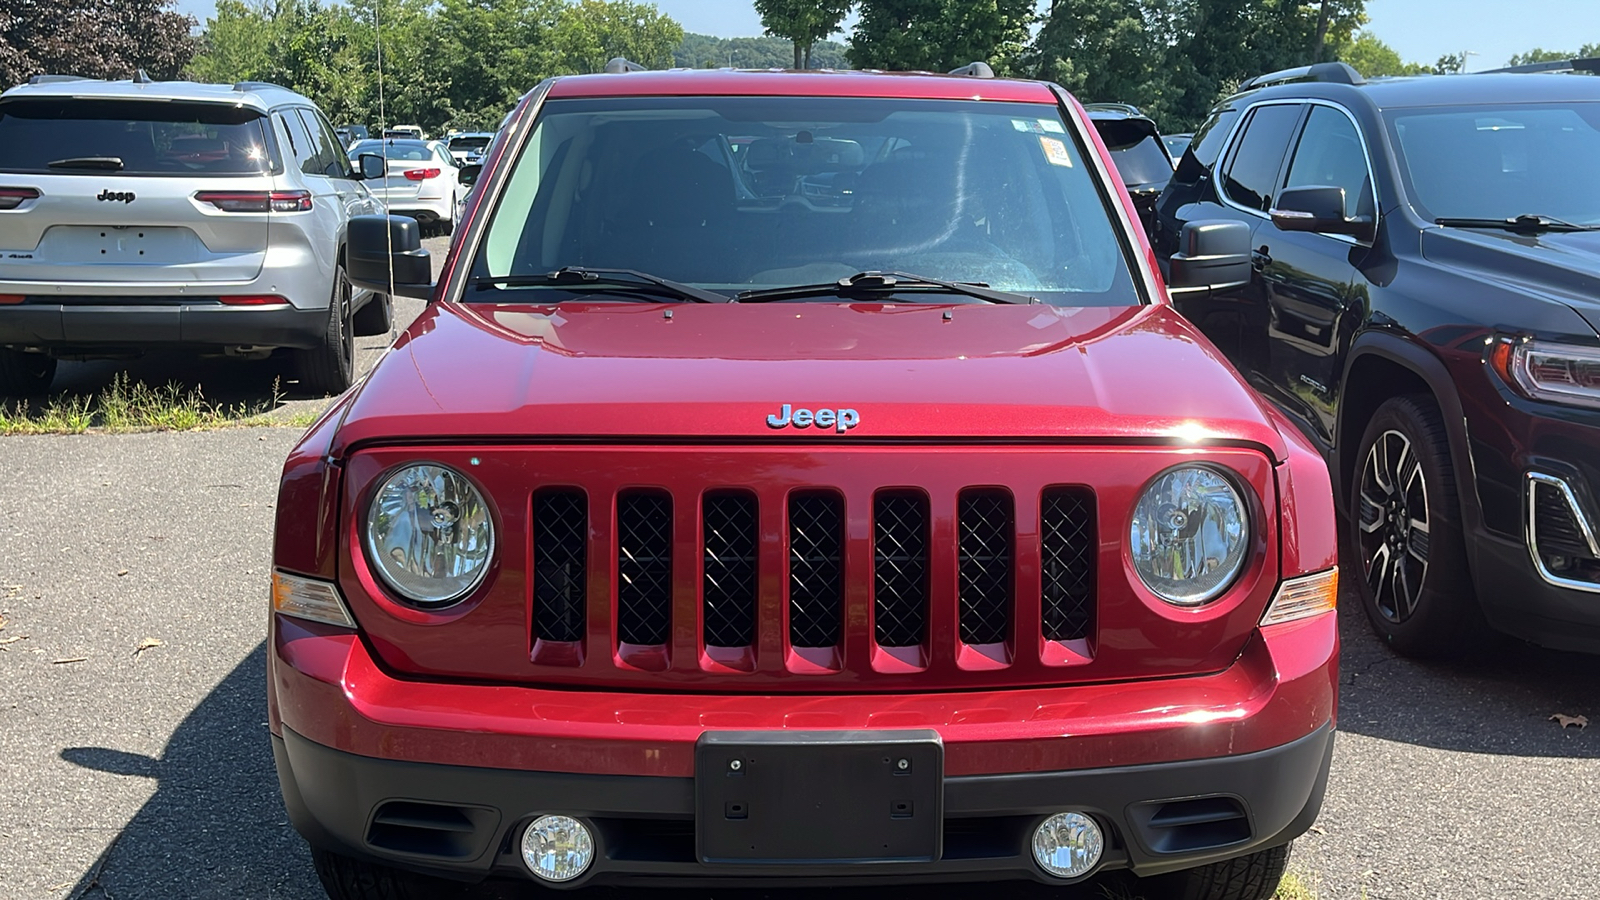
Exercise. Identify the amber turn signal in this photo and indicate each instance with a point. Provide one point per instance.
(1304, 597)
(308, 598)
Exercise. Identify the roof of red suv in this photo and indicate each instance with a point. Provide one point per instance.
(826, 83)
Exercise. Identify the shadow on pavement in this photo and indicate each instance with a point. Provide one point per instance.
(216, 828)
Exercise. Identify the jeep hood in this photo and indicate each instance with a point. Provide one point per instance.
(713, 372)
(1562, 266)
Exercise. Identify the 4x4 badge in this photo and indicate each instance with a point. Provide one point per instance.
(841, 420)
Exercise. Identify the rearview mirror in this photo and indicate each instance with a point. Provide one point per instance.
(468, 174)
(1213, 255)
(371, 166)
(384, 254)
(1319, 209)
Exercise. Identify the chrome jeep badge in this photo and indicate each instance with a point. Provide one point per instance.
(840, 420)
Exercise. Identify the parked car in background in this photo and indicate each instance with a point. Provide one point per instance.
(422, 182)
(349, 134)
(137, 216)
(1141, 158)
(411, 132)
(1176, 144)
(469, 147)
(1423, 304)
(850, 508)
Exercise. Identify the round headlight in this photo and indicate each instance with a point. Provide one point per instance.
(1190, 535)
(429, 534)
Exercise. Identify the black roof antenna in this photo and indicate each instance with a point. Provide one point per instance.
(140, 76)
(618, 65)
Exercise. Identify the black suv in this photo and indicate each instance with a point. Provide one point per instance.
(1141, 157)
(1422, 300)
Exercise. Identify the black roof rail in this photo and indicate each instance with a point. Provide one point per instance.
(618, 65)
(57, 79)
(975, 70)
(1326, 73)
(1590, 64)
(243, 86)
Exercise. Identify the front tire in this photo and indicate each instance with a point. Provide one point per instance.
(329, 367)
(1253, 877)
(1405, 527)
(25, 374)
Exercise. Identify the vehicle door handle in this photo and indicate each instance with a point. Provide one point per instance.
(1260, 259)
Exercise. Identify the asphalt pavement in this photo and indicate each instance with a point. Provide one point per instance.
(133, 747)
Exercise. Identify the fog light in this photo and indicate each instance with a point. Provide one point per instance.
(558, 848)
(1068, 844)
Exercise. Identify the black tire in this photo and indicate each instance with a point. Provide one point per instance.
(330, 367)
(344, 878)
(1253, 877)
(25, 374)
(1405, 530)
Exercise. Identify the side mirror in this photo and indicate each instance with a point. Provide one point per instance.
(468, 174)
(1212, 255)
(371, 167)
(385, 250)
(1319, 209)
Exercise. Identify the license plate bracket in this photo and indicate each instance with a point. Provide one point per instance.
(842, 797)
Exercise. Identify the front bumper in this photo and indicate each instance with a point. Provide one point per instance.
(140, 324)
(479, 761)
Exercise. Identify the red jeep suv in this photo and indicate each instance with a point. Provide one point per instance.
(800, 479)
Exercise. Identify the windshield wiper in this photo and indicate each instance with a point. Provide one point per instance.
(866, 284)
(108, 163)
(1524, 224)
(605, 279)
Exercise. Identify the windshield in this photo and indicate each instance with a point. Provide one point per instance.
(737, 194)
(148, 137)
(415, 151)
(468, 143)
(1499, 162)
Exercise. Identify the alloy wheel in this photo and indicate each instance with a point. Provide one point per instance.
(1393, 525)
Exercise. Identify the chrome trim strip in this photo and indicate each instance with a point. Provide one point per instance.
(1534, 480)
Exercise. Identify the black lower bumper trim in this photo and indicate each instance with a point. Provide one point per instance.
(112, 326)
(462, 823)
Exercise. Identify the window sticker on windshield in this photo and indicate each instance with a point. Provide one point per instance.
(1038, 126)
(1052, 126)
(1055, 152)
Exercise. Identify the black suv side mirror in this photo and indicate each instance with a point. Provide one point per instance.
(468, 174)
(1320, 209)
(1213, 255)
(385, 250)
(371, 167)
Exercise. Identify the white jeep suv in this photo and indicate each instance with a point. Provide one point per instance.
(139, 215)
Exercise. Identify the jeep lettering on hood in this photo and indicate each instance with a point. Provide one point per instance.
(841, 420)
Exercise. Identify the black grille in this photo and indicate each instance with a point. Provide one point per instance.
(985, 565)
(1554, 524)
(816, 569)
(1067, 550)
(729, 523)
(560, 557)
(900, 568)
(644, 567)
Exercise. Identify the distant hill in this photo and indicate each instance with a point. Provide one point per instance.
(702, 51)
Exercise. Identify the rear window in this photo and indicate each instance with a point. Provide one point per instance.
(468, 143)
(1137, 151)
(132, 137)
(412, 151)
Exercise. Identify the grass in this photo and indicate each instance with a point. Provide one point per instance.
(135, 406)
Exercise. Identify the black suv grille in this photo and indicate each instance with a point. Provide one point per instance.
(1067, 549)
(560, 559)
(900, 568)
(985, 529)
(1555, 525)
(816, 569)
(728, 521)
(644, 567)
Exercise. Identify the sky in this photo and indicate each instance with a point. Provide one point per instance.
(1421, 30)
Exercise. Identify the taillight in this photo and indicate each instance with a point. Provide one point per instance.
(257, 201)
(421, 174)
(11, 198)
(253, 300)
(11, 298)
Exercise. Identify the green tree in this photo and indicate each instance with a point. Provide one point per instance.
(803, 22)
(702, 51)
(234, 44)
(1104, 50)
(586, 34)
(492, 52)
(93, 38)
(1450, 64)
(1373, 58)
(1540, 55)
(938, 35)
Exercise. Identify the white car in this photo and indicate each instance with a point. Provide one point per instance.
(413, 132)
(422, 181)
(468, 147)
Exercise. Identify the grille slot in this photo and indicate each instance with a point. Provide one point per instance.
(644, 567)
(816, 569)
(728, 522)
(900, 568)
(985, 564)
(1555, 525)
(560, 560)
(431, 829)
(1186, 826)
(1067, 550)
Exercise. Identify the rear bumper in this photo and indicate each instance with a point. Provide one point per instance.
(350, 737)
(138, 326)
